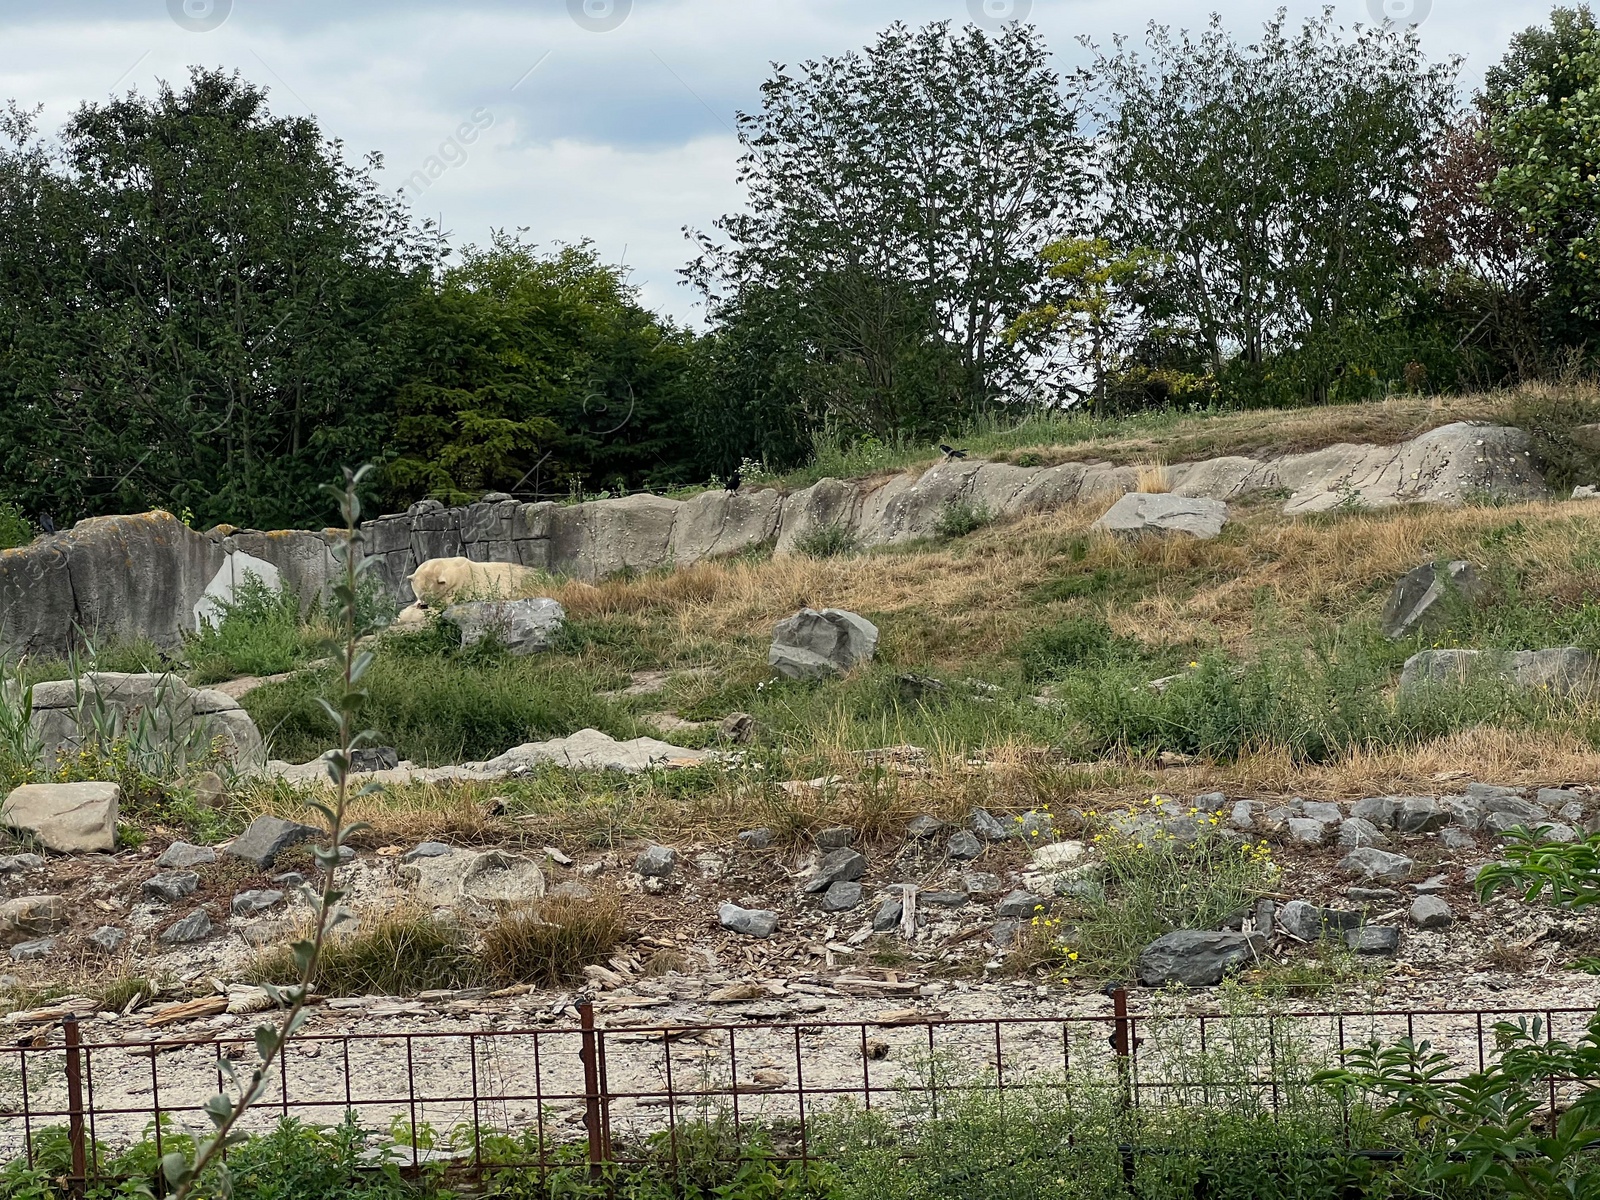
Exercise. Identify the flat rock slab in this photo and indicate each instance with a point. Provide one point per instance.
(1370, 863)
(269, 837)
(181, 856)
(591, 750)
(1196, 958)
(752, 922)
(196, 927)
(1139, 513)
(490, 877)
(69, 818)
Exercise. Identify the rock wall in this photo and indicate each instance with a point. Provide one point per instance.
(122, 577)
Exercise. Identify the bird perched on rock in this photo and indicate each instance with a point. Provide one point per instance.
(47, 523)
(735, 481)
(951, 453)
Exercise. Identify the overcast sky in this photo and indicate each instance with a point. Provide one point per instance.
(606, 119)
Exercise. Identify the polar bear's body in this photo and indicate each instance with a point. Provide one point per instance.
(441, 582)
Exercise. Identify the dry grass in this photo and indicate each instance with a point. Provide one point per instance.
(553, 941)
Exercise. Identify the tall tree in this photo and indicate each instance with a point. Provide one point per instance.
(201, 306)
(1275, 179)
(898, 202)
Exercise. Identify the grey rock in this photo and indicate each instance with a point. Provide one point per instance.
(1211, 802)
(815, 645)
(1380, 810)
(1421, 814)
(289, 879)
(248, 904)
(1356, 832)
(1571, 813)
(1430, 912)
(1004, 934)
(1242, 816)
(1551, 799)
(1369, 895)
(925, 828)
(980, 883)
(1371, 863)
(752, 922)
(521, 626)
(269, 837)
(1036, 828)
(1487, 793)
(1196, 958)
(1373, 939)
(1465, 812)
(171, 885)
(1563, 670)
(837, 866)
(181, 856)
(591, 750)
(841, 897)
(368, 759)
(1323, 811)
(943, 899)
(738, 729)
(1266, 917)
(27, 917)
(835, 838)
(1423, 600)
(1431, 886)
(1453, 837)
(33, 951)
(888, 916)
(756, 839)
(1310, 923)
(1307, 832)
(193, 928)
(1023, 905)
(69, 818)
(965, 846)
(1138, 513)
(109, 938)
(988, 827)
(426, 850)
(10, 863)
(656, 862)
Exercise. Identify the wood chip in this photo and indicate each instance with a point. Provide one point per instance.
(190, 1010)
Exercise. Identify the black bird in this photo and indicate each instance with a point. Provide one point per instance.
(950, 452)
(735, 481)
(47, 523)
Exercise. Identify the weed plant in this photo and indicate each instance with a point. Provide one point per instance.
(14, 527)
(958, 518)
(828, 541)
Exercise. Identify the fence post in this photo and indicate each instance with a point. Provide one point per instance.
(595, 1099)
(75, 1133)
(1122, 1047)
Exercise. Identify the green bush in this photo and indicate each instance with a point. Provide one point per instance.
(14, 528)
(958, 518)
(261, 633)
(828, 541)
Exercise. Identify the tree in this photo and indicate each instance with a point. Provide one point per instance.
(1276, 180)
(898, 202)
(540, 372)
(201, 307)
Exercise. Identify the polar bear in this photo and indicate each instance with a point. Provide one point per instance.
(441, 582)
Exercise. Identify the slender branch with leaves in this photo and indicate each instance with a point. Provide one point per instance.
(226, 1110)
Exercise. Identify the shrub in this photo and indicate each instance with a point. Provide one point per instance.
(14, 528)
(552, 942)
(1552, 415)
(261, 633)
(958, 518)
(403, 952)
(828, 541)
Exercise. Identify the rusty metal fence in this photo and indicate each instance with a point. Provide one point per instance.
(533, 1097)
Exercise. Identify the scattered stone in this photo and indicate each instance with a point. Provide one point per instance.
(1057, 856)
(1561, 670)
(1366, 895)
(20, 862)
(1421, 814)
(1380, 810)
(656, 862)
(1371, 863)
(1310, 923)
(248, 904)
(269, 837)
(32, 951)
(925, 828)
(370, 759)
(1022, 905)
(943, 899)
(1323, 811)
(289, 879)
(986, 826)
(752, 922)
(109, 938)
(193, 928)
(586, 750)
(1266, 916)
(1550, 799)
(1036, 828)
(1420, 602)
(1243, 815)
(171, 886)
(841, 897)
(837, 837)
(29, 917)
(210, 790)
(520, 626)
(1307, 832)
(1356, 832)
(837, 866)
(737, 729)
(426, 850)
(888, 916)
(965, 846)
(815, 645)
(181, 856)
(69, 818)
(756, 839)
(1430, 912)
(1431, 886)
(980, 883)
(1373, 939)
(1004, 934)
(1453, 837)
(1196, 958)
(1138, 513)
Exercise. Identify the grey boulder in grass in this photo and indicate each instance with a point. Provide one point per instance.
(816, 645)
(1196, 958)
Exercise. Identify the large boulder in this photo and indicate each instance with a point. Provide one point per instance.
(1421, 601)
(163, 718)
(1561, 671)
(1163, 512)
(69, 818)
(815, 645)
(1196, 958)
(521, 626)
